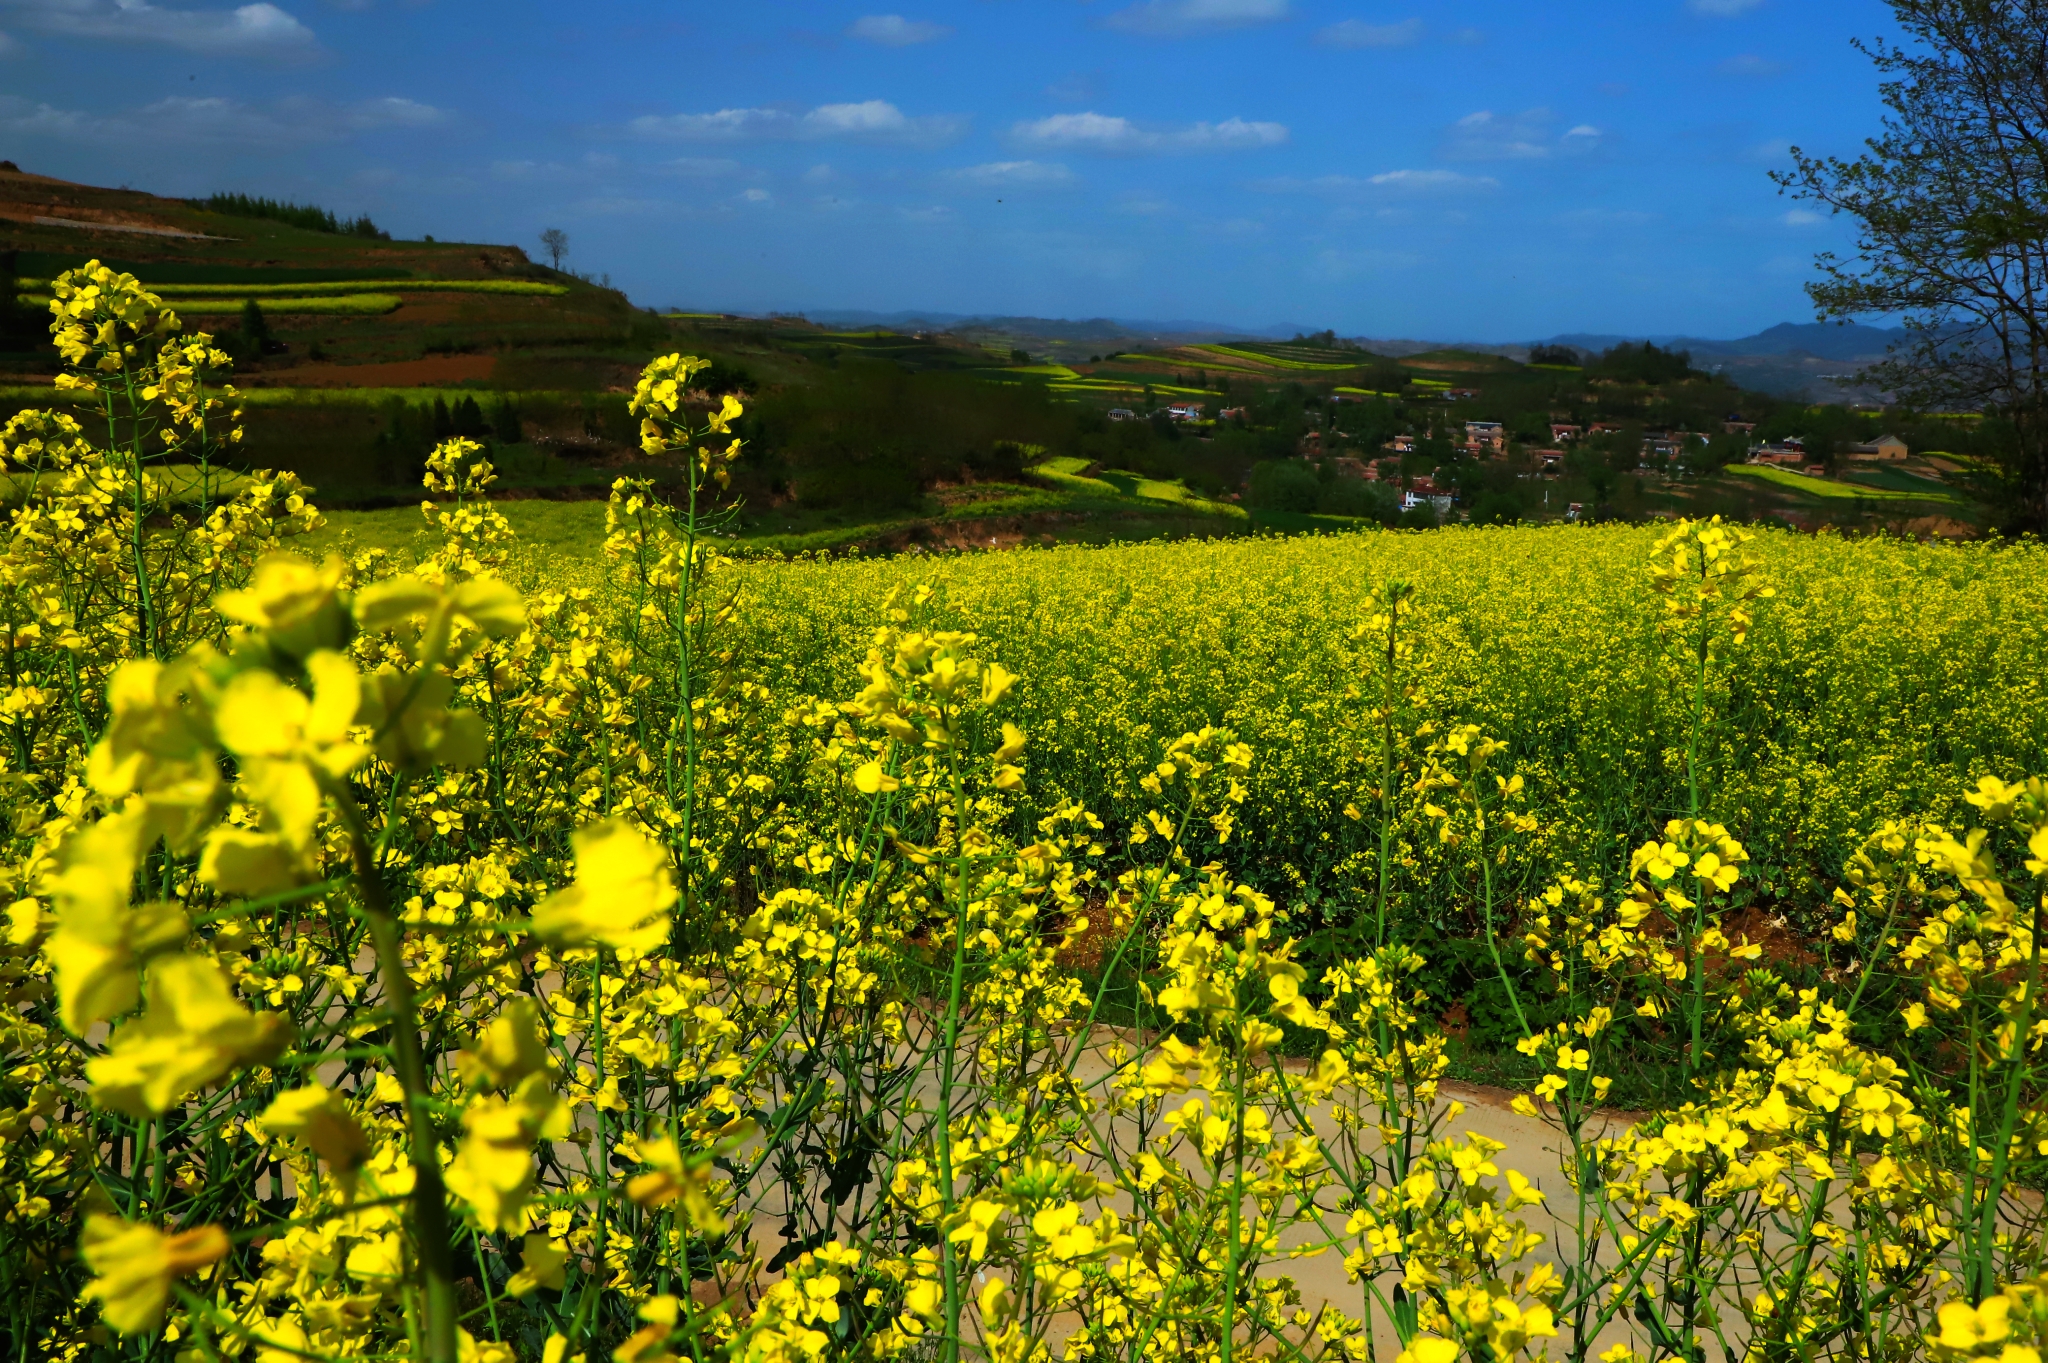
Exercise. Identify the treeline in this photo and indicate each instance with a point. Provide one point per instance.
(308, 217)
(412, 430)
(871, 435)
(21, 327)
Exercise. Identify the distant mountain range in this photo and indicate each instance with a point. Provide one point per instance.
(1804, 359)
(1048, 328)
(1822, 340)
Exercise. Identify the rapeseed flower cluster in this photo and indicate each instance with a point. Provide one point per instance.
(447, 961)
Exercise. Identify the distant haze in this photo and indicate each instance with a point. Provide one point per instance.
(1822, 340)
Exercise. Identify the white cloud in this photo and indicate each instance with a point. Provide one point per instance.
(212, 120)
(1751, 65)
(1487, 136)
(1333, 266)
(1433, 181)
(893, 30)
(617, 206)
(9, 47)
(1355, 33)
(1405, 182)
(1467, 37)
(1018, 174)
(1108, 135)
(756, 196)
(935, 213)
(1178, 18)
(392, 112)
(1722, 9)
(1143, 205)
(528, 170)
(821, 174)
(1801, 217)
(873, 120)
(1583, 130)
(261, 30)
(1593, 219)
(1078, 88)
(701, 167)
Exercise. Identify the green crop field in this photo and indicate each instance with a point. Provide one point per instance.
(1830, 489)
(340, 288)
(346, 305)
(1247, 352)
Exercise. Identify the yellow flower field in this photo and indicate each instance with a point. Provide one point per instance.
(1009, 957)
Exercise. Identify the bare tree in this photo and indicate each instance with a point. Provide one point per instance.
(1951, 202)
(556, 243)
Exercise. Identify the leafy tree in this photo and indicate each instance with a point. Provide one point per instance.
(1497, 508)
(1285, 485)
(1552, 354)
(1952, 233)
(845, 441)
(1644, 363)
(1828, 430)
(556, 243)
(1593, 465)
(1348, 496)
(1731, 447)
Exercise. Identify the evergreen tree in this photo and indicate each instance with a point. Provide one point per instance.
(505, 423)
(255, 338)
(20, 328)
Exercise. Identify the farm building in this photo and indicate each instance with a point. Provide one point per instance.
(1883, 449)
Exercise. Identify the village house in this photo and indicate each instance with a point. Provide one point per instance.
(1564, 431)
(1185, 411)
(1791, 451)
(1424, 492)
(1886, 448)
(1737, 426)
(1485, 433)
(1401, 444)
(1122, 414)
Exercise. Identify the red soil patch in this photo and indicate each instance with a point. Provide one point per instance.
(431, 371)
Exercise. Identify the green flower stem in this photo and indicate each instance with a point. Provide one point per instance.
(432, 1228)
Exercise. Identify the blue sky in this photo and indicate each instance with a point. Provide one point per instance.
(1459, 169)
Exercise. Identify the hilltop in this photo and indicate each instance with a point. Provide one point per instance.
(341, 310)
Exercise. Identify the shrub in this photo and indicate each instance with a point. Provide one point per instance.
(1284, 485)
(1349, 496)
